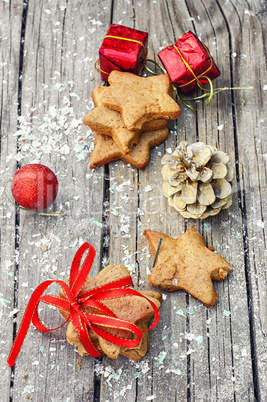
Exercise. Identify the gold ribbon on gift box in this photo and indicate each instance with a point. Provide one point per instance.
(208, 92)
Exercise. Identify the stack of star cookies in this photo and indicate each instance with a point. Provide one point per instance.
(134, 308)
(130, 118)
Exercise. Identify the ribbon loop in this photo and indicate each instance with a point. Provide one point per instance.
(73, 303)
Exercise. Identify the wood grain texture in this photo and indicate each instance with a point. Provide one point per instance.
(10, 36)
(57, 48)
(196, 353)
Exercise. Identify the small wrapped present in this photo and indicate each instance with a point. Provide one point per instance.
(188, 63)
(123, 49)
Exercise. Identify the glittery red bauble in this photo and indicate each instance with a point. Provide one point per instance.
(34, 186)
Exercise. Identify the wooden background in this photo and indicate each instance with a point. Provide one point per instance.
(47, 74)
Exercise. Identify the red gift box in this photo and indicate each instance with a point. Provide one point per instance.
(123, 49)
(188, 62)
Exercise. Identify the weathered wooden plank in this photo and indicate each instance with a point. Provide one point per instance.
(58, 76)
(250, 65)
(10, 22)
(123, 209)
(216, 126)
(170, 377)
(137, 206)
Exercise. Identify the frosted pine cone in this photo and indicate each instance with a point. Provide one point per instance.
(196, 180)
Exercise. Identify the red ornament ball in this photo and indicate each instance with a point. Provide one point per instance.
(34, 186)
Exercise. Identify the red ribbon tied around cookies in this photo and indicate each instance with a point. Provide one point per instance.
(74, 301)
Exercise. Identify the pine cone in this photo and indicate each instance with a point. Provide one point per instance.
(196, 180)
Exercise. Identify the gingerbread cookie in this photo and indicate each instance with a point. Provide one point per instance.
(106, 150)
(140, 99)
(110, 122)
(131, 308)
(186, 264)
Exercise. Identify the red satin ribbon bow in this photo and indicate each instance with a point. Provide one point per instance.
(74, 303)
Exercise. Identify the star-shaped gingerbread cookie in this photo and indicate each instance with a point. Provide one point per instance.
(186, 264)
(106, 121)
(140, 99)
(106, 150)
(131, 308)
